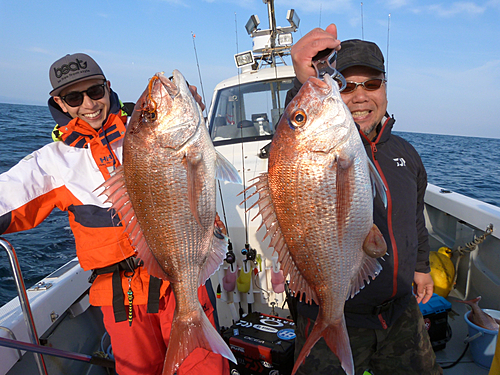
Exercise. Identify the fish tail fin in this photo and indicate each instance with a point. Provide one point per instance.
(185, 337)
(336, 338)
(472, 302)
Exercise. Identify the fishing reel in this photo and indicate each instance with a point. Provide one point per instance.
(249, 253)
(230, 256)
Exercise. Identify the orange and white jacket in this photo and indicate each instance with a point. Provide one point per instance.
(65, 175)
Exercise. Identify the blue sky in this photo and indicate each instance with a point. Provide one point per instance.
(443, 60)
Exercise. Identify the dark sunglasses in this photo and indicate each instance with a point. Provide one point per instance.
(370, 85)
(75, 98)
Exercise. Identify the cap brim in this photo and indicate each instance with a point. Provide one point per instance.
(57, 90)
(341, 69)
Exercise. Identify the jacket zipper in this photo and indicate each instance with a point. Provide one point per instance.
(382, 321)
(373, 147)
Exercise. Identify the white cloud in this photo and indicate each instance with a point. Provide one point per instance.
(313, 6)
(463, 7)
(395, 4)
(39, 50)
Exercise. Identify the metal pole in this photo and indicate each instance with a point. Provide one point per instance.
(23, 300)
(99, 361)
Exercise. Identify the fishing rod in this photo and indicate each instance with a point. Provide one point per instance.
(362, 26)
(199, 72)
(20, 345)
(387, 53)
(241, 136)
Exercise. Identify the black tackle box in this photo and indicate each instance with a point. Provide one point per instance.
(261, 344)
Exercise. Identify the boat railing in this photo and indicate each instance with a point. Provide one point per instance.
(24, 302)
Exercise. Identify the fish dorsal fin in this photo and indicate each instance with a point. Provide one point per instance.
(370, 268)
(273, 230)
(117, 195)
(216, 256)
(225, 171)
(377, 183)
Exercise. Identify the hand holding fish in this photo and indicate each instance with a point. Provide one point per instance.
(308, 46)
(197, 97)
(423, 286)
(219, 224)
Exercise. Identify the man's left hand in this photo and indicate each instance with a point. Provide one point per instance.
(197, 97)
(423, 286)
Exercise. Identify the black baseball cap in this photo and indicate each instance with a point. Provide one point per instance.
(73, 68)
(356, 52)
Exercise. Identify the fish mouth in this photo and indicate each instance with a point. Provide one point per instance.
(174, 86)
(337, 130)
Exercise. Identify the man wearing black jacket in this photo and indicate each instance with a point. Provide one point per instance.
(385, 325)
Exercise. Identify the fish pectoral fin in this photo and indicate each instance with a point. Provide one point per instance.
(215, 257)
(377, 183)
(194, 166)
(370, 268)
(344, 160)
(225, 171)
(374, 245)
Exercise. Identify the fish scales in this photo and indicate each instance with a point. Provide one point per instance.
(321, 193)
(167, 218)
(168, 176)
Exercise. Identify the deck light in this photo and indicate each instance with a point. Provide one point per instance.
(285, 39)
(244, 59)
(252, 24)
(293, 18)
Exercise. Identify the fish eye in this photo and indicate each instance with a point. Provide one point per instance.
(299, 118)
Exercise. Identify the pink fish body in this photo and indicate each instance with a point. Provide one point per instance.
(316, 202)
(165, 194)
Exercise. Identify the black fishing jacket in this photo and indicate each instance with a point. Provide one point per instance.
(380, 303)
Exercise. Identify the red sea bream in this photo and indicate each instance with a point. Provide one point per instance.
(316, 202)
(165, 193)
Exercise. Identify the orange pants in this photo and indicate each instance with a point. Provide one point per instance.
(140, 349)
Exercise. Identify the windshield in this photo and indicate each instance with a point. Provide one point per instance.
(251, 110)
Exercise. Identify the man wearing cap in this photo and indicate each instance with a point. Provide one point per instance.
(91, 128)
(385, 325)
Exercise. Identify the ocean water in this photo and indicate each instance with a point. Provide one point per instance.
(466, 165)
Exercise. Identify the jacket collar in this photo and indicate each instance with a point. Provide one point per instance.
(78, 133)
(384, 130)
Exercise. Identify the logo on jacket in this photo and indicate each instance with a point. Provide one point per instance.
(400, 162)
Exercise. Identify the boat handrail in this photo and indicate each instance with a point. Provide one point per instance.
(24, 302)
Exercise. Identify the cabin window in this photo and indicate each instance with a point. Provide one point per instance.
(250, 110)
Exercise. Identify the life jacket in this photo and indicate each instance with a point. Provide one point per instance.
(77, 133)
(64, 175)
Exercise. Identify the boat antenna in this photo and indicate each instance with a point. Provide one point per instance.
(387, 53)
(199, 73)
(362, 26)
(274, 32)
(320, 9)
(236, 32)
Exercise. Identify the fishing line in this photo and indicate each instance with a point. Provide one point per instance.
(199, 74)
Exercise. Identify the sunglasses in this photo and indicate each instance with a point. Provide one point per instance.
(75, 98)
(369, 84)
